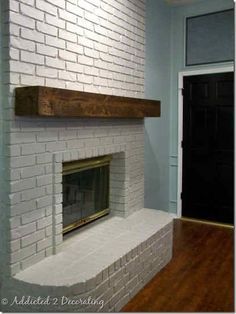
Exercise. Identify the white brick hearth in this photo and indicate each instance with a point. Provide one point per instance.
(108, 261)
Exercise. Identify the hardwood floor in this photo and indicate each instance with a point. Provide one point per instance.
(200, 276)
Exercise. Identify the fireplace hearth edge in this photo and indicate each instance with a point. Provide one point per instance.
(129, 257)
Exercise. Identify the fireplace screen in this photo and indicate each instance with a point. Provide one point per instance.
(85, 191)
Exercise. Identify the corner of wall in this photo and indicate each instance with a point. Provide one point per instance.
(157, 82)
(4, 160)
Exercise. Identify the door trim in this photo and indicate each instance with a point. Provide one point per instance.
(181, 75)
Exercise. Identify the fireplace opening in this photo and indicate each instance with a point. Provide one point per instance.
(85, 191)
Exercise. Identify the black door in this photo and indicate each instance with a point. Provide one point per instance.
(208, 147)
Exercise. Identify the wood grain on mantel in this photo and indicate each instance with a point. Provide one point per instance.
(56, 102)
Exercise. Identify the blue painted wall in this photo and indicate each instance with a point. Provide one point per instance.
(164, 60)
(157, 86)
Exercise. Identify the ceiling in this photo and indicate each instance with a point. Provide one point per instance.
(181, 2)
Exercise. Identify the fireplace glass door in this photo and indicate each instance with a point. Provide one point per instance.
(85, 191)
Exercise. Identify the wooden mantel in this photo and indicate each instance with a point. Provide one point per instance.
(56, 102)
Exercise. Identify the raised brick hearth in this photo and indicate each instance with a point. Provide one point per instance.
(108, 262)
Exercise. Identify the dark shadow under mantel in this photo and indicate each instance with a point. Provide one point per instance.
(56, 102)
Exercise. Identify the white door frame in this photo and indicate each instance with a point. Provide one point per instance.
(181, 75)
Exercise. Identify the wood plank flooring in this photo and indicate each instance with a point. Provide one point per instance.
(200, 276)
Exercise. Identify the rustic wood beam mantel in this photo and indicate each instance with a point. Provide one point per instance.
(56, 102)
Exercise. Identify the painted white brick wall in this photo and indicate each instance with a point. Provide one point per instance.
(5, 222)
(97, 45)
(92, 46)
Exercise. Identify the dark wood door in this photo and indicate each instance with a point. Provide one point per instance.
(208, 147)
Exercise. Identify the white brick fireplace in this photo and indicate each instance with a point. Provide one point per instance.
(91, 46)
(36, 222)
(126, 169)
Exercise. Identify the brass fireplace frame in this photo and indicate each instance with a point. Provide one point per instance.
(82, 165)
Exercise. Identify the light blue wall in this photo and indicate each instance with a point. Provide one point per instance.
(157, 86)
(164, 60)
